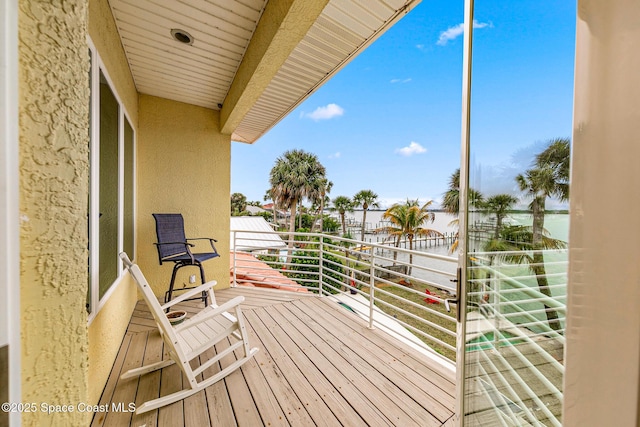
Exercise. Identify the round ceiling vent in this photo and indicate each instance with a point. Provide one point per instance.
(182, 36)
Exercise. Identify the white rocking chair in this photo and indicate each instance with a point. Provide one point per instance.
(188, 340)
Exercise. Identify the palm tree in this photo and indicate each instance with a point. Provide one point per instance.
(295, 175)
(499, 205)
(268, 195)
(557, 157)
(342, 204)
(451, 201)
(238, 203)
(326, 189)
(367, 199)
(407, 219)
(549, 178)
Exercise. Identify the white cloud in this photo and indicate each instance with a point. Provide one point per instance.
(454, 32)
(324, 113)
(335, 155)
(407, 80)
(411, 149)
(420, 46)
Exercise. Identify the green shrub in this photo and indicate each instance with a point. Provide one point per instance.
(329, 224)
(305, 270)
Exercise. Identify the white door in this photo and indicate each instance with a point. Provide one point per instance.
(517, 120)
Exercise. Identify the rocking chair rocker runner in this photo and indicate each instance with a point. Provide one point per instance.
(192, 338)
(173, 246)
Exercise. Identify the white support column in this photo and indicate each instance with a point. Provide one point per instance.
(602, 356)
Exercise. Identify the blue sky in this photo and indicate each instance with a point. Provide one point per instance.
(390, 120)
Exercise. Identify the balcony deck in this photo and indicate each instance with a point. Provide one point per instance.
(318, 364)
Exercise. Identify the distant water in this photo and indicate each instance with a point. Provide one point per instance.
(556, 224)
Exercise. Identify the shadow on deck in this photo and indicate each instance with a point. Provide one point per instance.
(318, 364)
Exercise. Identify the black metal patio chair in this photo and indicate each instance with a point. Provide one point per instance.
(174, 247)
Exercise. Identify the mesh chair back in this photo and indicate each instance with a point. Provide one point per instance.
(169, 229)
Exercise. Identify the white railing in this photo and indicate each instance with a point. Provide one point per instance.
(519, 350)
(384, 285)
(523, 329)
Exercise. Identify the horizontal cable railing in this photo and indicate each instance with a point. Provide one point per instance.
(395, 289)
(518, 328)
(518, 337)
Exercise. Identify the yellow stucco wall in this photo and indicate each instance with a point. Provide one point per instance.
(108, 327)
(54, 179)
(105, 335)
(183, 167)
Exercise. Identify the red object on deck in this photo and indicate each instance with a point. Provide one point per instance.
(430, 300)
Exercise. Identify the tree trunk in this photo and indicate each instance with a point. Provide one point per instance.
(538, 208)
(322, 214)
(292, 229)
(498, 226)
(538, 268)
(543, 284)
(344, 227)
(364, 218)
(410, 237)
(396, 241)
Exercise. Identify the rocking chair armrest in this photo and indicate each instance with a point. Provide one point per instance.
(190, 293)
(232, 303)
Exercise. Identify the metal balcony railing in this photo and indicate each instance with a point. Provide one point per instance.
(515, 329)
(517, 335)
(398, 290)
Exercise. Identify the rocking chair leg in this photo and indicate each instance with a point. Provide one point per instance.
(146, 369)
(183, 394)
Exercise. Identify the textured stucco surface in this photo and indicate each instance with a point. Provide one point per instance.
(54, 178)
(105, 335)
(108, 327)
(183, 167)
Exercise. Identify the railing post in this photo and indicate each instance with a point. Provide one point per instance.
(235, 250)
(320, 269)
(372, 283)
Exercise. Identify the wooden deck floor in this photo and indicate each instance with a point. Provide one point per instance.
(318, 364)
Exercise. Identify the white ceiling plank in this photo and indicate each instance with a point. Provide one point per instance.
(202, 74)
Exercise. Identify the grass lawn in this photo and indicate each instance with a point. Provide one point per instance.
(409, 293)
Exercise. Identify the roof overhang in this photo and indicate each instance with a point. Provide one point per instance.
(254, 60)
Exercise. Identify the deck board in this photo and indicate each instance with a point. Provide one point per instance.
(397, 406)
(405, 389)
(318, 365)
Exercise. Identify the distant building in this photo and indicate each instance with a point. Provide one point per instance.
(250, 234)
(254, 210)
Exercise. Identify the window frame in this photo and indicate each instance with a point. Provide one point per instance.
(95, 303)
(10, 313)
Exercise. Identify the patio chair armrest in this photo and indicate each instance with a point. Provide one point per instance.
(190, 293)
(232, 303)
(203, 238)
(175, 243)
(210, 239)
